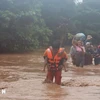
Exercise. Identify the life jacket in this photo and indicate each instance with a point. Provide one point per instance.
(54, 61)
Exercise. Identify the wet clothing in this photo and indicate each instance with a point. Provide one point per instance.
(72, 50)
(57, 75)
(88, 55)
(55, 63)
(96, 56)
(79, 56)
(88, 59)
(72, 54)
(79, 59)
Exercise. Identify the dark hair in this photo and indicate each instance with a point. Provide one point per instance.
(56, 44)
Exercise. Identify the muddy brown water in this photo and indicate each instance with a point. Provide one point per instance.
(21, 76)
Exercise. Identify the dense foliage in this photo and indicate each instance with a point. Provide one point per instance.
(21, 25)
(29, 24)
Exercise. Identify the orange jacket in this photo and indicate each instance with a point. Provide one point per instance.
(55, 60)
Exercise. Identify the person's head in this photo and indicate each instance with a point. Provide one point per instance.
(88, 44)
(56, 45)
(74, 42)
(79, 43)
(94, 47)
(50, 47)
(89, 37)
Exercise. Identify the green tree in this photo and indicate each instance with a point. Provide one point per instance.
(87, 18)
(21, 25)
(57, 15)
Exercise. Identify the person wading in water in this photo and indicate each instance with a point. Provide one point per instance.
(55, 60)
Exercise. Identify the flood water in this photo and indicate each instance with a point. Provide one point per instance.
(21, 77)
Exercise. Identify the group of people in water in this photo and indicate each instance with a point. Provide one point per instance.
(83, 52)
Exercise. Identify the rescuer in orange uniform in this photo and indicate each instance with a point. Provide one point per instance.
(55, 59)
